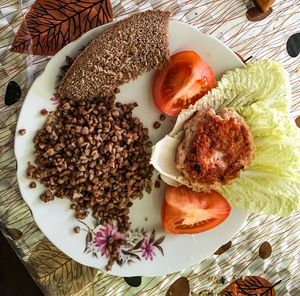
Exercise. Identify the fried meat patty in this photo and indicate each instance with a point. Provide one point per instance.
(215, 148)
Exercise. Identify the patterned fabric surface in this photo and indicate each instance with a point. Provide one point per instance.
(57, 274)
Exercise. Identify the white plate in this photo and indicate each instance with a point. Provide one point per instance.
(55, 218)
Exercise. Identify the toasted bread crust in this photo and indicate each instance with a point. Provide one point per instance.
(129, 48)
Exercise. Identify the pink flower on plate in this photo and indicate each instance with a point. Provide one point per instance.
(147, 249)
(104, 236)
(55, 99)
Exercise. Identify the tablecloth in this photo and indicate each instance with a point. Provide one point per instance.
(57, 274)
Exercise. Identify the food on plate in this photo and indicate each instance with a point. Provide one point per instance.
(96, 155)
(162, 117)
(214, 148)
(76, 229)
(187, 211)
(157, 184)
(260, 93)
(126, 50)
(156, 124)
(181, 82)
(22, 132)
(44, 112)
(89, 151)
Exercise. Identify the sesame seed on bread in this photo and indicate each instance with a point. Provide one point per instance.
(126, 50)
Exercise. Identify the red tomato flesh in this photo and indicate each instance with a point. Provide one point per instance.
(186, 211)
(182, 82)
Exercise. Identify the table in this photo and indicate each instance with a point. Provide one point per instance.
(57, 274)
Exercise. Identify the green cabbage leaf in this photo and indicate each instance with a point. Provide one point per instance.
(261, 94)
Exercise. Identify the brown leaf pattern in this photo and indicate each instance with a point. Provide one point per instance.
(61, 274)
(52, 24)
(152, 237)
(160, 249)
(14, 233)
(159, 240)
(88, 239)
(250, 285)
(226, 21)
(138, 245)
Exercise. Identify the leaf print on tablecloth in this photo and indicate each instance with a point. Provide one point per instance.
(251, 286)
(58, 273)
(14, 233)
(51, 24)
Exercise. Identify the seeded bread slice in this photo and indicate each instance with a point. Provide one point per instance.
(126, 50)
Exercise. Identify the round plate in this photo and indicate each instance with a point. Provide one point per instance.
(56, 219)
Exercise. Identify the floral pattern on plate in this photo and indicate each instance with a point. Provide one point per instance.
(136, 244)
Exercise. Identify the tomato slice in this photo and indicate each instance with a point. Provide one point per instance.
(182, 82)
(186, 211)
